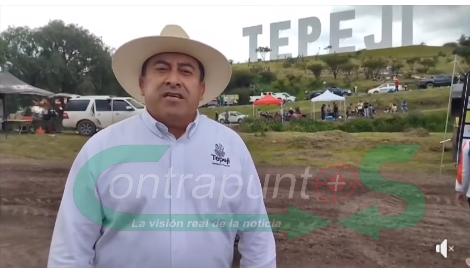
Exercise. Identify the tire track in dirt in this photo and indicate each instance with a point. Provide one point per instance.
(27, 211)
(30, 197)
(20, 201)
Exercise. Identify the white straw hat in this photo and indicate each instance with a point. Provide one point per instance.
(129, 58)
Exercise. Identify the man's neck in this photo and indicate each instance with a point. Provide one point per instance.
(176, 127)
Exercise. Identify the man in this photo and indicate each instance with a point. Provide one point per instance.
(226, 117)
(463, 179)
(173, 75)
(335, 110)
(404, 106)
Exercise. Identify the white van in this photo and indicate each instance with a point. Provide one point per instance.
(88, 114)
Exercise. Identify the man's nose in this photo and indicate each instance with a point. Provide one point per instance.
(172, 79)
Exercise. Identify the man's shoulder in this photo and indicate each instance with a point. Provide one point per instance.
(114, 132)
(122, 126)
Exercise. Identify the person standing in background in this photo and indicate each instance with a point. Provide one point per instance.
(335, 110)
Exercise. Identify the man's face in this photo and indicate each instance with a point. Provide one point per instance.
(171, 86)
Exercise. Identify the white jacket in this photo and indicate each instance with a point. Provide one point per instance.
(208, 152)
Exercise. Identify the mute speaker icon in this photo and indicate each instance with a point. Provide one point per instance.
(442, 248)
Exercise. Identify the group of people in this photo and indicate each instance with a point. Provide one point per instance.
(327, 111)
(361, 109)
(367, 109)
(393, 108)
(286, 115)
(293, 113)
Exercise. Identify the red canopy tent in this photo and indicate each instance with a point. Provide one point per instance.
(268, 100)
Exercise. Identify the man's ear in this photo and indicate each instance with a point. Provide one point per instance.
(202, 90)
(141, 85)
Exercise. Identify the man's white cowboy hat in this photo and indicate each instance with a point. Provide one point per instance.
(129, 58)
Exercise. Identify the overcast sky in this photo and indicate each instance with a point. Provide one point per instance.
(221, 26)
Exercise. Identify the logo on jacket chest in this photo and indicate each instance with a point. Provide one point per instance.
(218, 157)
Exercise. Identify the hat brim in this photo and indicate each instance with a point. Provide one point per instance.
(128, 60)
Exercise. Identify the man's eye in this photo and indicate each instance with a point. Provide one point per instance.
(186, 72)
(161, 68)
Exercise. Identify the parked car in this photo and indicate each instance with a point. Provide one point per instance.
(339, 91)
(263, 94)
(233, 117)
(313, 94)
(213, 103)
(384, 88)
(88, 114)
(287, 96)
(335, 90)
(440, 80)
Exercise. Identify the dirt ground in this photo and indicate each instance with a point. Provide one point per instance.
(31, 192)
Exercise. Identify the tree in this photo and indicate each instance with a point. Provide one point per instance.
(428, 63)
(463, 49)
(333, 62)
(347, 69)
(316, 69)
(451, 44)
(396, 66)
(411, 62)
(60, 58)
(241, 78)
(373, 66)
(266, 77)
(263, 51)
(290, 84)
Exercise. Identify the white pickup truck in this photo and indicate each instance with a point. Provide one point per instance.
(278, 95)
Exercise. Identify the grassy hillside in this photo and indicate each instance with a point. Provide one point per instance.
(297, 75)
(428, 100)
(398, 53)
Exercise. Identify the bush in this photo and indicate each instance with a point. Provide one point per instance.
(286, 64)
(432, 122)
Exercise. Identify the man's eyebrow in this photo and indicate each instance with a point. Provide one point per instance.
(186, 64)
(161, 62)
(182, 64)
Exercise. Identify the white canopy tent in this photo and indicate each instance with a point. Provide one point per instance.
(327, 96)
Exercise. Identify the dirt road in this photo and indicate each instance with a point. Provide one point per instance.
(30, 196)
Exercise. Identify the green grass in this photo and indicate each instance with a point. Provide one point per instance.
(324, 149)
(320, 149)
(422, 100)
(400, 54)
(55, 148)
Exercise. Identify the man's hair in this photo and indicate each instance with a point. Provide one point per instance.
(199, 65)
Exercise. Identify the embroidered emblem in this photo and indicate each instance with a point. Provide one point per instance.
(218, 158)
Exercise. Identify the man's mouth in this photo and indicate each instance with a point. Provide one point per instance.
(173, 96)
